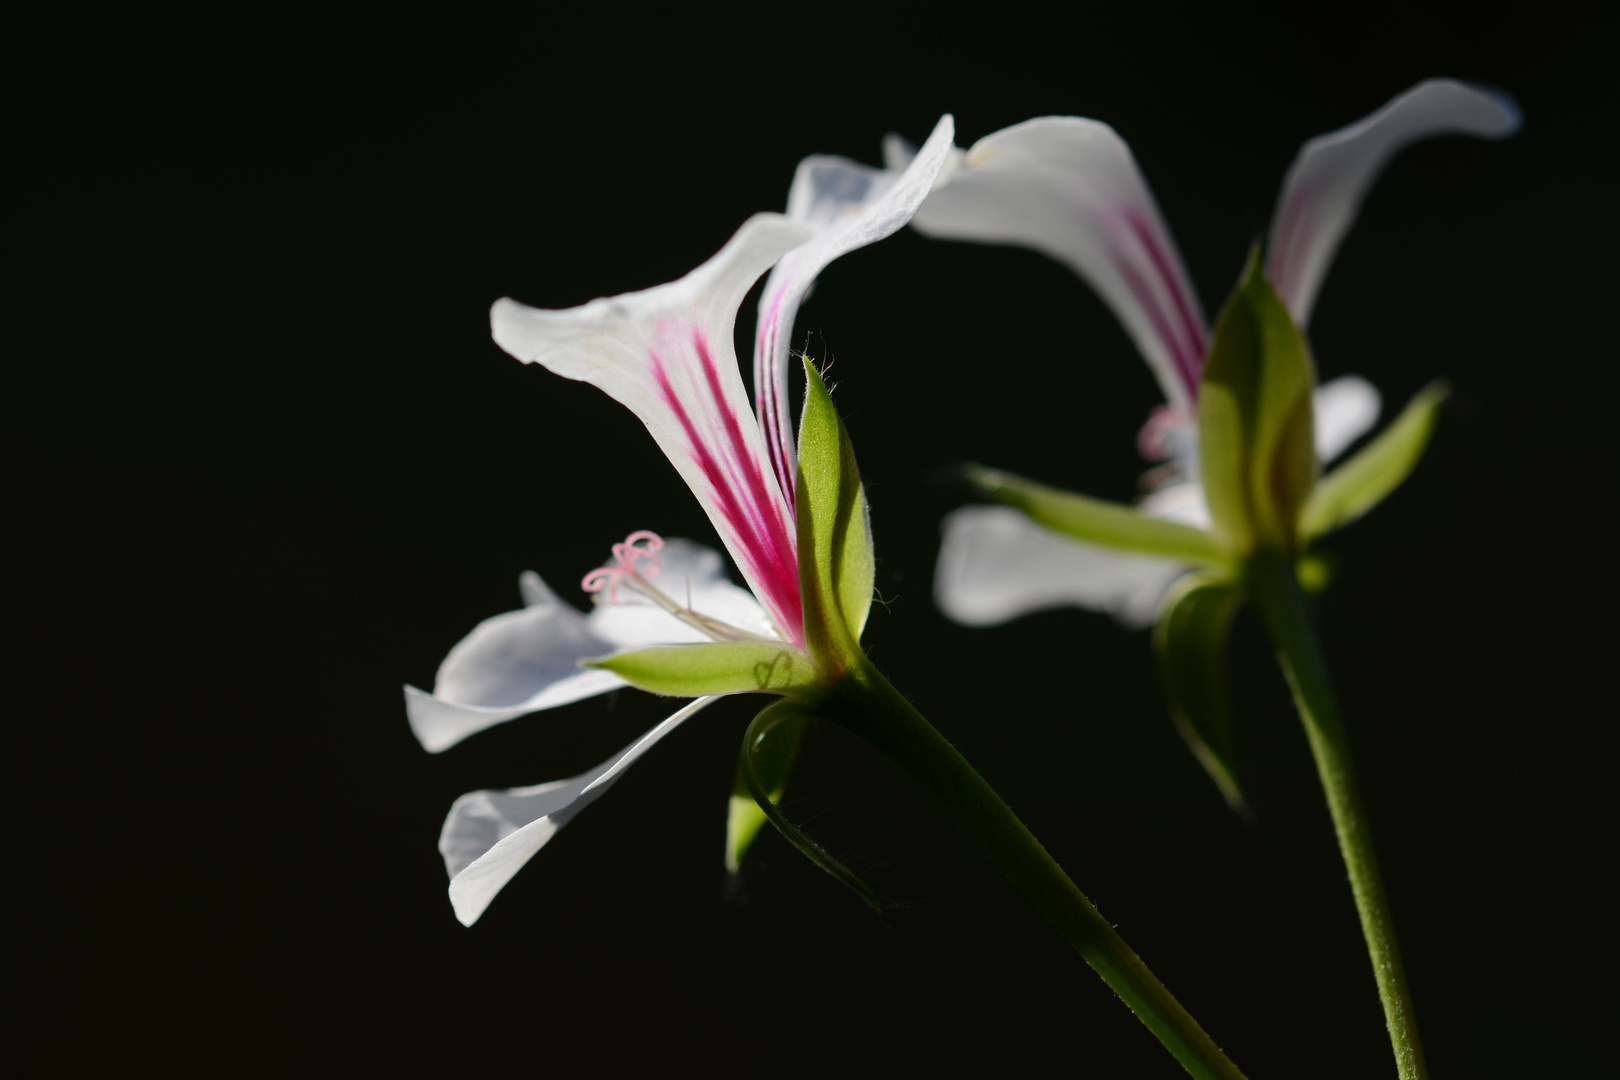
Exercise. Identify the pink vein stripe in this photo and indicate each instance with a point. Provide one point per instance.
(755, 518)
(1182, 332)
(772, 413)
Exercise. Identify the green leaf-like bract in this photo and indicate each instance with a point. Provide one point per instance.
(1190, 642)
(773, 718)
(773, 756)
(1258, 461)
(835, 541)
(1098, 521)
(1363, 481)
(720, 667)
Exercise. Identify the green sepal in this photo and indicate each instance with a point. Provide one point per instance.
(773, 760)
(1098, 521)
(1255, 420)
(1189, 640)
(779, 714)
(836, 567)
(718, 667)
(1362, 481)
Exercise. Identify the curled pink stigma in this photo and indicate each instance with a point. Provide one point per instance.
(641, 546)
(1153, 441)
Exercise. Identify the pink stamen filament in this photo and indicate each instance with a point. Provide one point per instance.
(626, 570)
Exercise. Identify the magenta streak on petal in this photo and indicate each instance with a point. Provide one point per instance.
(1196, 334)
(1283, 260)
(1187, 364)
(762, 537)
(779, 441)
(783, 543)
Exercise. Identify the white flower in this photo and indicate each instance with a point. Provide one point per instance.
(1070, 188)
(665, 354)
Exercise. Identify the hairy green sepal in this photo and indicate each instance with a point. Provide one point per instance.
(835, 538)
(1364, 480)
(1255, 420)
(719, 667)
(1099, 521)
(772, 757)
(1189, 640)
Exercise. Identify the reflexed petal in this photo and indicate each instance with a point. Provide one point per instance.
(489, 835)
(851, 205)
(1322, 192)
(666, 354)
(1070, 188)
(1346, 409)
(995, 564)
(515, 663)
(525, 661)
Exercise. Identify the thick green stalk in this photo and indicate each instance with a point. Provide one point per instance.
(1276, 593)
(865, 703)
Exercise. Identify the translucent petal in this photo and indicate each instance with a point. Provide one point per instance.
(490, 835)
(851, 205)
(1323, 189)
(995, 564)
(515, 663)
(1346, 409)
(525, 661)
(666, 354)
(1069, 188)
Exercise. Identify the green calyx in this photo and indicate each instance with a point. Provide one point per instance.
(1257, 454)
(1362, 482)
(716, 667)
(1099, 521)
(836, 565)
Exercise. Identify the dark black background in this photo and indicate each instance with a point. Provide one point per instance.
(263, 466)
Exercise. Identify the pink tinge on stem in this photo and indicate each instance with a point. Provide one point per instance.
(749, 504)
(1170, 311)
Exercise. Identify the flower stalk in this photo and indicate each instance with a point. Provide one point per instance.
(1275, 591)
(867, 705)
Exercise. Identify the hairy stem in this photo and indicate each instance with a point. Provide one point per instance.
(1276, 593)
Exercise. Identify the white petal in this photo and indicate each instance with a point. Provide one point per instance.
(995, 564)
(489, 835)
(851, 205)
(666, 354)
(1181, 501)
(515, 663)
(1322, 192)
(1070, 188)
(1346, 409)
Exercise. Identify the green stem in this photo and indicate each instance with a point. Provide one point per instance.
(866, 704)
(1276, 593)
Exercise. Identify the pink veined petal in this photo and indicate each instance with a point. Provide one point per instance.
(850, 205)
(1070, 188)
(1324, 187)
(666, 355)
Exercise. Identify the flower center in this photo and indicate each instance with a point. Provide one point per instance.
(635, 562)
